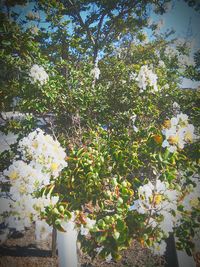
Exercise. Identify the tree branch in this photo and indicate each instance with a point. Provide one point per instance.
(78, 16)
(100, 25)
(123, 12)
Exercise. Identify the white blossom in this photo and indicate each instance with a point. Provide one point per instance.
(159, 248)
(41, 158)
(191, 199)
(185, 61)
(96, 71)
(161, 63)
(45, 153)
(42, 230)
(157, 199)
(38, 74)
(85, 229)
(108, 258)
(133, 76)
(99, 249)
(176, 107)
(145, 78)
(171, 52)
(166, 86)
(178, 133)
(133, 119)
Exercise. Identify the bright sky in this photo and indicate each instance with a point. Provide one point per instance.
(184, 20)
(180, 17)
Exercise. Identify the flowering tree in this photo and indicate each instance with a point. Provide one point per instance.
(110, 145)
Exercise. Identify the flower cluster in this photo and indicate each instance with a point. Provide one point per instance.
(177, 132)
(38, 74)
(96, 72)
(185, 61)
(171, 52)
(84, 230)
(43, 152)
(41, 157)
(145, 78)
(157, 201)
(191, 198)
(159, 248)
(23, 208)
(133, 119)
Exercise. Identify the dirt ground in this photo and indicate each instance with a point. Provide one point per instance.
(23, 251)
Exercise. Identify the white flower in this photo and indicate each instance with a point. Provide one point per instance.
(99, 249)
(166, 86)
(171, 52)
(133, 76)
(161, 64)
(145, 78)
(185, 61)
(160, 186)
(157, 199)
(46, 158)
(189, 135)
(167, 224)
(165, 143)
(177, 133)
(42, 230)
(84, 230)
(183, 118)
(133, 118)
(45, 152)
(152, 223)
(159, 248)
(89, 225)
(15, 222)
(146, 190)
(174, 122)
(176, 108)
(191, 200)
(172, 149)
(108, 258)
(38, 74)
(96, 71)
(22, 174)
